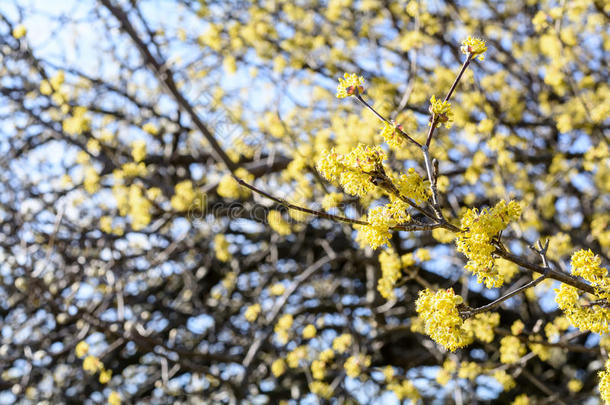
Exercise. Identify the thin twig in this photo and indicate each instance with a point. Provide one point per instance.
(396, 128)
(338, 218)
(494, 304)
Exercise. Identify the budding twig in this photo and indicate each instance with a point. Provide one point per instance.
(382, 118)
(338, 218)
(494, 304)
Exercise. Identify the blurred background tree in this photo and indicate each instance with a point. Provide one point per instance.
(135, 269)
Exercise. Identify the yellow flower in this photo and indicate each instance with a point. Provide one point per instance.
(19, 31)
(277, 223)
(507, 381)
(482, 326)
(92, 364)
(327, 355)
(521, 400)
(354, 364)
(478, 231)
(82, 348)
(278, 367)
(252, 312)
(114, 398)
(390, 273)
(475, 47)
(405, 390)
(105, 376)
(318, 369)
(441, 111)
(229, 188)
(342, 342)
(574, 385)
(511, 349)
(391, 135)
(277, 289)
(588, 266)
(321, 389)
(604, 385)
(285, 322)
(184, 195)
(350, 85)
(294, 357)
(221, 248)
(331, 200)
(138, 150)
(353, 170)
(442, 318)
(309, 331)
(150, 128)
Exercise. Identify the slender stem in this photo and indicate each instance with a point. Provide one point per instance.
(447, 97)
(382, 118)
(550, 272)
(338, 218)
(496, 303)
(432, 179)
(458, 77)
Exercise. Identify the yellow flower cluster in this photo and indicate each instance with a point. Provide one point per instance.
(19, 31)
(412, 186)
(522, 399)
(282, 327)
(350, 85)
(575, 385)
(511, 349)
(477, 233)
(78, 122)
(391, 135)
(441, 111)
(277, 289)
(221, 248)
(183, 197)
(554, 329)
(138, 150)
(604, 383)
(475, 47)
(82, 348)
(381, 219)
(229, 188)
(405, 390)
(277, 223)
(587, 265)
(321, 389)
(319, 365)
(441, 318)
(390, 273)
(252, 312)
(278, 367)
(294, 357)
(469, 370)
(352, 170)
(354, 364)
(139, 208)
(507, 381)
(130, 169)
(444, 374)
(342, 342)
(114, 398)
(318, 369)
(92, 180)
(482, 326)
(92, 364)
(595, 318)
(332, 200)
(309, 331)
